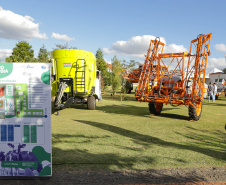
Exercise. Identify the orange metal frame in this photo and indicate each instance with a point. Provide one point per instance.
(174, 78)
(135, 75)
(154, 49)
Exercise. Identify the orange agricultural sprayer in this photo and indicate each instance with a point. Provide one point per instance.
(132, 78)
(175, 78)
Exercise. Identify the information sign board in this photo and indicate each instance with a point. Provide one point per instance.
(25, 119)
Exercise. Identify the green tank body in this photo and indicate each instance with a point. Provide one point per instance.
(75, 72)
(79, 65)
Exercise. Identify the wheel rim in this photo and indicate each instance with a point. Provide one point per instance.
(198, 109)
(158, 106)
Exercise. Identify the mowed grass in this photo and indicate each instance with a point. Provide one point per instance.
(122, 135)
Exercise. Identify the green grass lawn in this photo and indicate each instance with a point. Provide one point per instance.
(122, 135)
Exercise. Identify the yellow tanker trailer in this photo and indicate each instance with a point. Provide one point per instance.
(75, 78)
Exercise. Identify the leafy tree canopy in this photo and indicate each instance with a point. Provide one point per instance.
(43, 55)
(64, 46)
(116, 74)
(132, 64)
(224, 70)
(23, 52)
(103, 67)
(101, 64)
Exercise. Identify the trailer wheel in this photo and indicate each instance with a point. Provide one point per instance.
(155, 108)
(195, 112)
(128, 91)
(129, 87)
(91, 103)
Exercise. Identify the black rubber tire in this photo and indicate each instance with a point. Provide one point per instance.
(155, 108)
(192, 111)
(129, 87)
(91, 103)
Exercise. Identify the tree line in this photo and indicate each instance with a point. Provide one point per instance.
(23, 52)
(111, 74)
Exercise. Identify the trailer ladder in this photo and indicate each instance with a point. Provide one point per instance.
(80, 76)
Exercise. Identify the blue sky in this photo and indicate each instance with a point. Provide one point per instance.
(119, 27)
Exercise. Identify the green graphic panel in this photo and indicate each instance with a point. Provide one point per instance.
(5, 69)
(45, 171)
(46, 77)
(41, 154)
(20, 164)
(33, 134)
(22, 103)
(26, 134)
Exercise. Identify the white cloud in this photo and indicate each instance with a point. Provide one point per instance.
(62, 37)
(108, 61)
(173, 48)
(137, 47)
(18, 27)
(220, 47)
(4, 53)
(218, 63)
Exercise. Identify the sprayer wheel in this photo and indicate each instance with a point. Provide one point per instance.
(195, 112)
(155, 108)
(91, 103)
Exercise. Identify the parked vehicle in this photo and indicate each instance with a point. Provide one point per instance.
(174, 84)
(75, 78)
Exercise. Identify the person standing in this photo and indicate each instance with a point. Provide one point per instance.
(210, 91)
(214, 91)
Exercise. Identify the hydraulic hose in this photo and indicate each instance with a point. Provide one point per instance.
(62, 87)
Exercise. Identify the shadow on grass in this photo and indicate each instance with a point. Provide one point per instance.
(96, 169)
(214, 103)
(106, 160)
(63, 138)
(125, 109)
(173, 116)
(135, 111)
(220, 102)
(202, 141)
(75, 106)
(121, 98)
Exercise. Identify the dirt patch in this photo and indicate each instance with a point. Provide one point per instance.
(181, 176)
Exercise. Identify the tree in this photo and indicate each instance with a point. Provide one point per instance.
(99, 54)
(132, 64)
(102, 66)
(43, 55)
(63, 46)
(23, 52)
(34, 60)
(116, 74)
(124, 65)
(224, 70)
